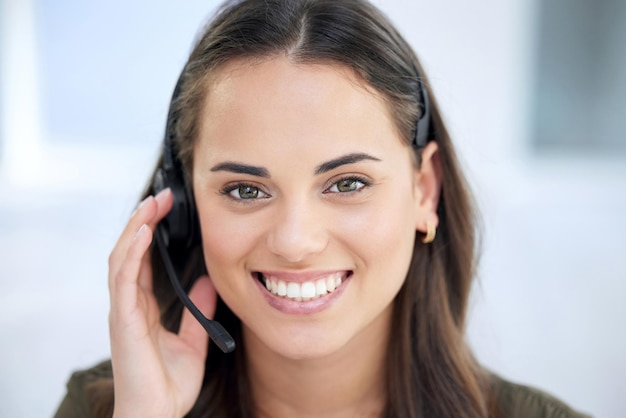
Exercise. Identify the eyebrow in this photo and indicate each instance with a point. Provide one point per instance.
(344, 160)
(240, 168)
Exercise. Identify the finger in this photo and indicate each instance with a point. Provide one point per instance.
(165, 201)
(204, 296)
(143, 214)
(124, 284)
(150, 211)
(145, 280)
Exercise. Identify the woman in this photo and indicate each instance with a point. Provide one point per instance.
(332, 221)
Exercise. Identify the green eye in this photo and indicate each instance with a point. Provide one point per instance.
(245, 192)
(347, 185)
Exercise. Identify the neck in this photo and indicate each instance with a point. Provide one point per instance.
(350, 382)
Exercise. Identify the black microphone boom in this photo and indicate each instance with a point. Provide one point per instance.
(216, 331)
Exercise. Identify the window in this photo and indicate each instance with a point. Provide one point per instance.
(579, 104)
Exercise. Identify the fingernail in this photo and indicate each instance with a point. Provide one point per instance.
(161, 195)
(141, 231)
(140, 205)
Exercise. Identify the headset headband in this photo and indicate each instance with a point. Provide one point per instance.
(170, 159)
(422, 130)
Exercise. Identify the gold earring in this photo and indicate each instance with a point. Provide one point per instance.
(431, 232)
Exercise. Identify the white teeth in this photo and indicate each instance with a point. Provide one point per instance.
(308, 290)
(330, 284)
(293, 290)
(282, 288)
(320, 287)
(303, 292)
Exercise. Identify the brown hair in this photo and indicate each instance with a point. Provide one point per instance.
(431, 372)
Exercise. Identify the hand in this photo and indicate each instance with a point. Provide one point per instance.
(156, 373)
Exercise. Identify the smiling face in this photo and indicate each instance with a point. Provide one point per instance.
(308, 203)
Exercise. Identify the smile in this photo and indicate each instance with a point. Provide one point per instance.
(303, 291)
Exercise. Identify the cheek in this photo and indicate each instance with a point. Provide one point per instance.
(389, 253)
(382, 233)
(226, 239)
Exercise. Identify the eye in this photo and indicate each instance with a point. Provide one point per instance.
(347, 185)
(244, 192)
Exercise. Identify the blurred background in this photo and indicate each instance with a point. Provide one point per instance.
(534, 92)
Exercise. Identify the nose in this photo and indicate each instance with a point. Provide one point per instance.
(297, 233)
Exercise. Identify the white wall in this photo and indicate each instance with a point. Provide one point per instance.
(546, 310)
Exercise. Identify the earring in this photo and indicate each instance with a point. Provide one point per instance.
(431, 232)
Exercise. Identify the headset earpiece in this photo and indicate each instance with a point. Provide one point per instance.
(180, 226)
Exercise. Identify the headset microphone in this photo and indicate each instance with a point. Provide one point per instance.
(216, 331)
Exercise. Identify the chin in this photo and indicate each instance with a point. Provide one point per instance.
(299, 343)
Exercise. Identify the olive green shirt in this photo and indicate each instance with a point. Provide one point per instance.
(513, 400)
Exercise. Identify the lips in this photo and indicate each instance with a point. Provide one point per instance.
(302, 289)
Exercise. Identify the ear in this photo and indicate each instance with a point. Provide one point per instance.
(428, 180)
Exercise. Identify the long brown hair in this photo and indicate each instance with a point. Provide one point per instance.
(431, 372)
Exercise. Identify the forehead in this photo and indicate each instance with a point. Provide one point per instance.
(275, 102)
(257, 71)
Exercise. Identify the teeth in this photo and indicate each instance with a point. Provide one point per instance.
(282, 288)
(320, 287)
(293, 290)
(303, 291)
(307, 289)
(330, 284)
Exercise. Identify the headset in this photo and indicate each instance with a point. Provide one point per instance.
(180, 229)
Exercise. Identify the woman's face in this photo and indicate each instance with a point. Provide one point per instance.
(307, 199)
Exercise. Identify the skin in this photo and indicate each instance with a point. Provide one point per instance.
(288, 121)
(157, 373)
